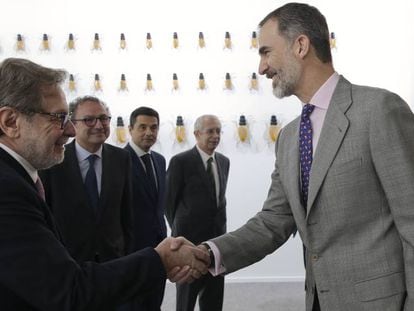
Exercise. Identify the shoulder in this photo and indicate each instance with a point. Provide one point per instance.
(222, 157)
(113, 150)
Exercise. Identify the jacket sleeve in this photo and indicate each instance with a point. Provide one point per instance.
(36, 267)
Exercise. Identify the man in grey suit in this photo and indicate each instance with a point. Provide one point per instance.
(196, 206)
(343, 177)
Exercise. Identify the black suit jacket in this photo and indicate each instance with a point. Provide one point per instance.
(37, 272)
(190, 204)
(88, 236)
(148, 227)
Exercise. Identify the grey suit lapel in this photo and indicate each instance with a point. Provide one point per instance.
(333, 132)
(293, 168)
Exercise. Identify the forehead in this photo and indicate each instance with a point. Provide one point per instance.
(269, 34)
(143, 119)
(211, 123)
(90, 108)
(54, 99)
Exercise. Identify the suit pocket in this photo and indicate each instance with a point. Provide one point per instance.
(347, 166)
(381, 286)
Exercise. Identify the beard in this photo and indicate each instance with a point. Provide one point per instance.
(41, 158)
(288, 78)
(40, 153)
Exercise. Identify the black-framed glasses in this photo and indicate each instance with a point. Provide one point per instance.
(62, 117)
(91, 121)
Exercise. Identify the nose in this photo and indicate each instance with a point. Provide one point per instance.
(69, 129)
(263, 66)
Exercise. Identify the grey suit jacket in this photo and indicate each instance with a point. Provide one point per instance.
(359, 225)
(190, 205)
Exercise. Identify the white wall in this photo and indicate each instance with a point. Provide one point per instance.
(374, 47)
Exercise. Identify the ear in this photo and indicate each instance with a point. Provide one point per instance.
(129, 129)
(302, 46)
(9, 122)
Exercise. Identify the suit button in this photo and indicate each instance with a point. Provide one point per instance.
(315, 257)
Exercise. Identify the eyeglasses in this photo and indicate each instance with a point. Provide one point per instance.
(91, 121)
(62, 117)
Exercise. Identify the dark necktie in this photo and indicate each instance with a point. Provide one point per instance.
(305, 149)
(211, 180)
(146, 158)
(40, 189)
(91, 183)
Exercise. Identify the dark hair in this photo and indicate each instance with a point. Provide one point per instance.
(74, 104)
(143, 111)
(22, 84)
(295, 19)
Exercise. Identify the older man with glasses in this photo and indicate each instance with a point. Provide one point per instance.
(90, 191)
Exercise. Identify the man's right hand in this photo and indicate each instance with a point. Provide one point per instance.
(182, 260)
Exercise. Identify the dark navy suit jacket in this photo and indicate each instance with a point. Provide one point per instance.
(36, 270)
(148, 224)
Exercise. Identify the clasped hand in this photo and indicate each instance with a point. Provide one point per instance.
(183, 261)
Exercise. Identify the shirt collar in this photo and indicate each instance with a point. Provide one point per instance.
(83, 154)
(23, 162)
(138, 150)
(205, 156)
(323, 95)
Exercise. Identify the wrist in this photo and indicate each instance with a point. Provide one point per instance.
(211, 254)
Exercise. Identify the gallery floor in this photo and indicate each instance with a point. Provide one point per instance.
(288, 296)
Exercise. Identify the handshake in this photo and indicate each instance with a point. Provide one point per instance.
(183, 261)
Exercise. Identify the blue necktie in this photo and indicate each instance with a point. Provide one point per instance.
(305, 149)
(146, 158)
(91, 183)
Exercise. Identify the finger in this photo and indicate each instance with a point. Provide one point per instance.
(176, 243)
(202, 255)
(200, 266)
(187, 278)
(178, 273)
(196, 274)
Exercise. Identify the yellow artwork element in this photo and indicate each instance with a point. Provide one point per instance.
(201, 42)
(227, 41)
(180, 130)
(121, 135)
(149, 86)
(274, 129)
(71, 42)
(148, 43)
(122, 43)
(242, 129)
(97, 83)
(201, 82)
(20, 46)
(72, 83)
(253, 43)
(175, 84)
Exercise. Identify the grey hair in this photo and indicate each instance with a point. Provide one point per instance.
(198, 124)
(22, 84)
(74, 104)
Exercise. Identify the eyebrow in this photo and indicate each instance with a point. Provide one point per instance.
(263, 49)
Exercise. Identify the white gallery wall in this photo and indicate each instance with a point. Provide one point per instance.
(375, 43)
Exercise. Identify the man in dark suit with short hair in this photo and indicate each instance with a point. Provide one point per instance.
(196, 206)
(100, 230)
(148, 191)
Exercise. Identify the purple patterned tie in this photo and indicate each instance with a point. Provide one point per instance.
(305, 149)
